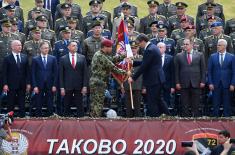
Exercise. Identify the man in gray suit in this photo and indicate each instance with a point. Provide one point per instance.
(190, 78)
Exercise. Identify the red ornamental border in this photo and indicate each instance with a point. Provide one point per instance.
(88, 136)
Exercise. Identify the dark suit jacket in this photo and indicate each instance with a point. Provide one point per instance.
(193, 74)
(224, 74)
(14, 77)
(151, 67)
(70, 78)
(54, 3)
(168, 68)
(42, 75)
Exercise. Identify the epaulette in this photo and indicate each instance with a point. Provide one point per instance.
(172, 17)
(58, 41)
(176, 30)
(27, 42)
(58, 19)
(162, 16)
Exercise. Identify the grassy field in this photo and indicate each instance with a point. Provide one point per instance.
(229, 6)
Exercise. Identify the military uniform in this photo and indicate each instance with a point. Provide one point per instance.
(232, 35)
(43, 11)
(60, 49)
(170, 44)
(117, 10)
(177, 34)
(229, 26)
(59, 24)
(76, 12)
(30, 24)
(202, 23)
(101, 66)
(21, 37)
(18, 13)
(105, 33)
(146, 21)
(202, 10)
(167, 10)
(174, 22)
(198, 45)
(205, 33)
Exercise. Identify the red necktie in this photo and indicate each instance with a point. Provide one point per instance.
(189, 59)
(73, 61)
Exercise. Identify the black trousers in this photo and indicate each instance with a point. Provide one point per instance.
(14, 97)
(73, 96)
(190, 98)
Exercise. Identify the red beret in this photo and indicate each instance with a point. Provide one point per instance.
(184, 19)
(107, 43)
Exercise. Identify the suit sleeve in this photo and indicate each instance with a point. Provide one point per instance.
(233, 71)
(210, 69)
(85, 73)
(28, 72)
(176, 63)
(172, 77)
(203, 69)
(33, 73)
(55, 71)
(61, 69)
(4, 71)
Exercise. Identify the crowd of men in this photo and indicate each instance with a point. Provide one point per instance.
(48, 59)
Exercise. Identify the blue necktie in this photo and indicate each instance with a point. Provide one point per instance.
(18, 60)
(44, 62)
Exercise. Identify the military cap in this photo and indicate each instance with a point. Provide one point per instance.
(133, 43)
(65, 29)
(5, 23)
(100, 17)
(210, 5)
(215, 24)
(211, 18)
(94, 2)
(184, 19)
(66, 5)
(37, 10)
(181, 5)
(161, 26)
(96, 23)
(72, 19)
(154, 22)
(126, 5)
(10, 7)
(41, 18)
(36, 30)
(190, 27)
(130, 23)
(153, 2)
(106, 43)
(14, 20)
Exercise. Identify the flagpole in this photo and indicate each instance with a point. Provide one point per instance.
(130, 87)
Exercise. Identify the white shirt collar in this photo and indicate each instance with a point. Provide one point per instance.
(147, 45)
(44, 56)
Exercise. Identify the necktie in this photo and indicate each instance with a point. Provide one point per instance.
(18, 60)
(73, 61)
(189, 59)
(162, 61)
(221, 60)
(44, 62)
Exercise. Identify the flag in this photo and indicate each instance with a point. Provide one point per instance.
(123, 48)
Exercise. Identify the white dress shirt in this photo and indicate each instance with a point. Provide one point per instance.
(14, 54)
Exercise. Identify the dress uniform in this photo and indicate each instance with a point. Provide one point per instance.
(144, 22)
(43, 11)
(202, 10)
(208, 31)
(211, 41)
(229, 26)
(105, 13)
(202, 22)
(76, 11)
(198, 44)
(174, 21)
(117, 10)
(167, 10)
(153, 27)
(14, 29)
(232, 35)
(62, 22)
(18, 12)
(31, 47)
(170, 43)
(127, 16)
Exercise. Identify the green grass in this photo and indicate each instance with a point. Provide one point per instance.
(229, 6)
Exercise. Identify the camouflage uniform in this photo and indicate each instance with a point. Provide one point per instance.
(101, 66)
(205, 33)
(177, 34)
(174, 22)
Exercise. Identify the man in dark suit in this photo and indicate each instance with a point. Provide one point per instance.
(73, 79)
(51, 5)
(16, 77)
(168, 68)
(44, 78)
(153, 75)
(221, 78)
(190, 78)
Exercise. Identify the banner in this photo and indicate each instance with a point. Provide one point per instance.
(88, 136)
